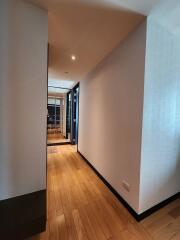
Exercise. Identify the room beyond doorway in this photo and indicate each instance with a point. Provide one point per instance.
(63, 115)
(59, 115)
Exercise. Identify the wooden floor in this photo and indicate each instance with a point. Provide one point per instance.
(80, 207)
(56, 137)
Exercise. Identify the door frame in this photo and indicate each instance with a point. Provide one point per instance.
(75, 114)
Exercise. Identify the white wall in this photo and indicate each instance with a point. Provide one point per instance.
(111, 104)
(166, 13)
(23, 91)
(160, 161)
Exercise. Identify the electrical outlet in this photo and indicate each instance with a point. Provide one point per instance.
(126, 186)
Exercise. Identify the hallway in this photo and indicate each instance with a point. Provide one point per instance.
(80, 207)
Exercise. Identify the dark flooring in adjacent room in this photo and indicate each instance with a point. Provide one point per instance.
(81, 207)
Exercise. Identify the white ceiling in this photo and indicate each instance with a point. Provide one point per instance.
(61, 83)
(89, 29)
(58, 88)
(140, 6)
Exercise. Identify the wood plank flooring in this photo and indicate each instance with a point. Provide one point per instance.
(81, 207)
(56, 137)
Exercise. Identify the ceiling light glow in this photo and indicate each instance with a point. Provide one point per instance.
(73, 57)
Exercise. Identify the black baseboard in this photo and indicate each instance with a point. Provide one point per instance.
(157, 207)
(58, 144)
(138, 217)
(23, 216)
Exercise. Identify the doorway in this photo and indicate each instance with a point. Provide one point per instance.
(59, 116)
(63, 115)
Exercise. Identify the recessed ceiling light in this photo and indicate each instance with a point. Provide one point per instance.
(73, 57)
